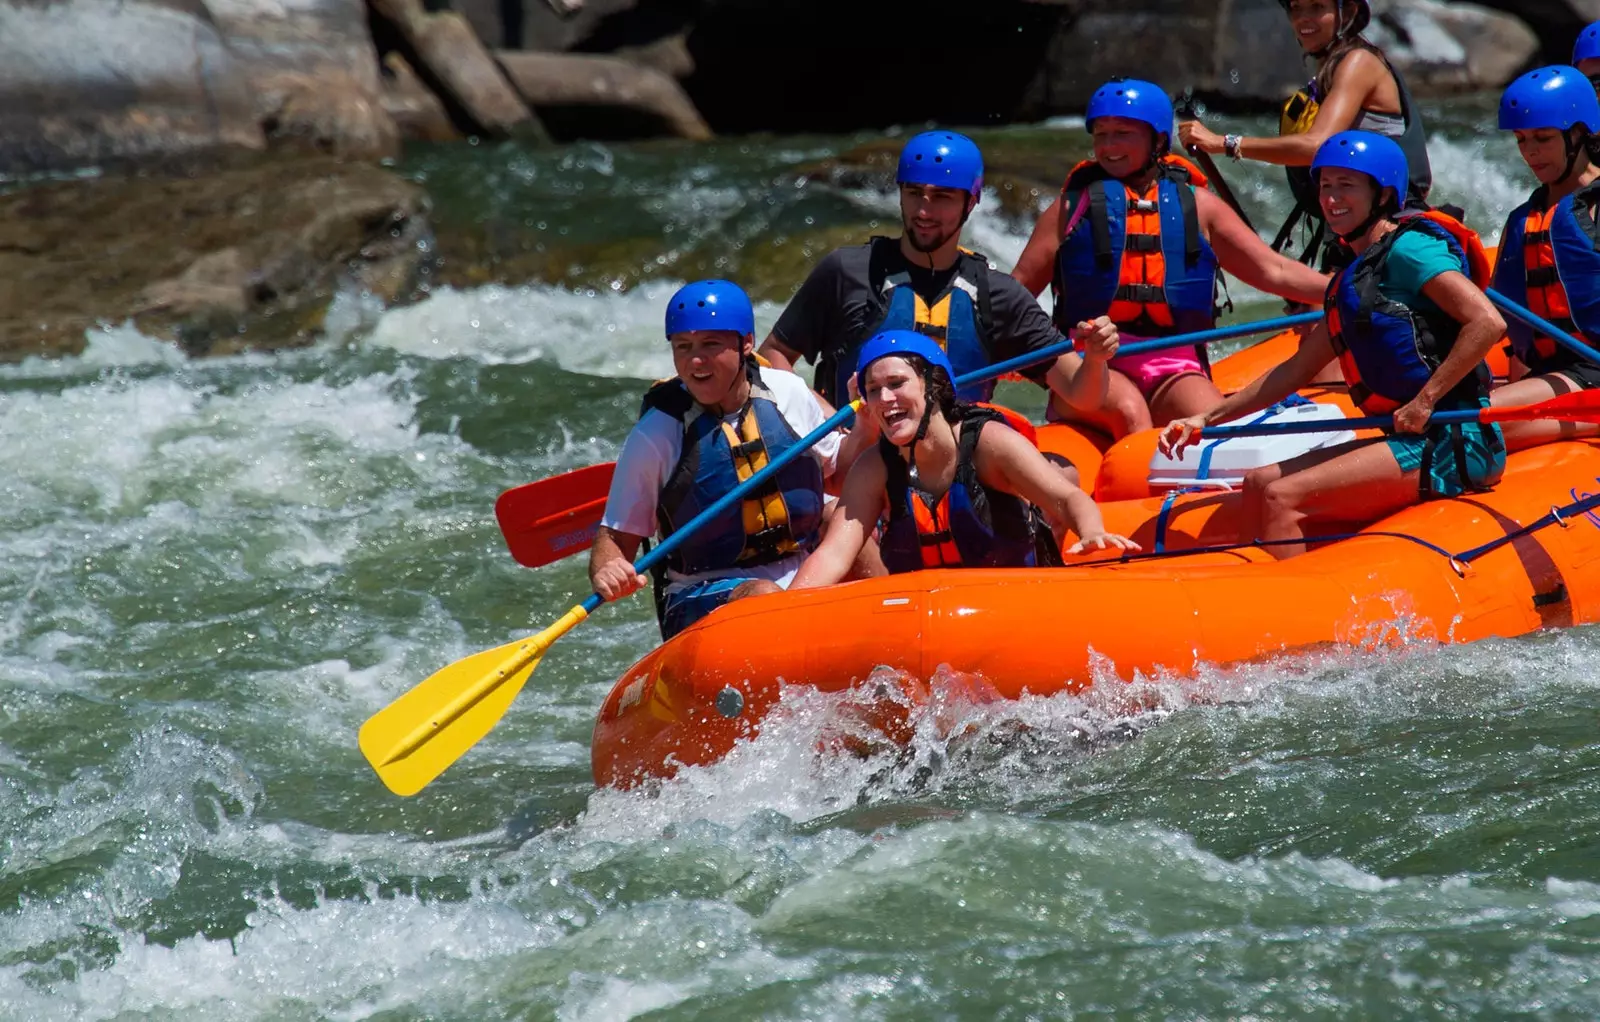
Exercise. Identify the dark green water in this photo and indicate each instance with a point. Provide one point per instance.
(212, 572)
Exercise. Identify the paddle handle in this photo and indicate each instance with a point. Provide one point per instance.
(1544, 326)
(1185, 108)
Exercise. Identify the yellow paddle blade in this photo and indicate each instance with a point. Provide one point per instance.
(413, 739)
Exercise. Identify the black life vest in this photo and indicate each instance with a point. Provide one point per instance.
(960, 318)
(969, 526)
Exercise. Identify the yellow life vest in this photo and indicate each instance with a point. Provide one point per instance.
(1298, 114)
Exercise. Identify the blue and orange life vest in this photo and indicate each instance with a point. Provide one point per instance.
(774, 522)
(960, 318)
(1387, 349)
(1139, 259)
(969, 526)
(1550, 262)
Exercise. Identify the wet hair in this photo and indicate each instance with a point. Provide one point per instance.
(1590, 142)
(940, 391)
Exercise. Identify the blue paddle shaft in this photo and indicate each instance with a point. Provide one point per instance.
(1544, 326)
(1333, 425)
(845, 414)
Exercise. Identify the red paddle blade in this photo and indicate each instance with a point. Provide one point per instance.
(556, 517)
(1578, 406)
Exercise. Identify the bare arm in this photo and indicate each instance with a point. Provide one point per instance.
(1007, 461)
(1481, 327)
(856, 516)
(1037, 263)
(778, 353)
(1083, 380)
(1243, 254)
(611, 564)
(1358, 77)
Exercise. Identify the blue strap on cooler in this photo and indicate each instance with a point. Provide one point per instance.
(1203, 471)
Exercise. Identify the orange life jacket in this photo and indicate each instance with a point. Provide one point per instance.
(1138, 258)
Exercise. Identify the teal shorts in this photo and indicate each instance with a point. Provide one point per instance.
(1452, 459)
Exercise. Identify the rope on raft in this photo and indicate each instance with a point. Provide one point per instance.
(1458, 561)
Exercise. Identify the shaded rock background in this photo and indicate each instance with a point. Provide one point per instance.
(247, 255)
(225, 110)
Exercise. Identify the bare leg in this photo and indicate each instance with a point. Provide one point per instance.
(1067, 468)
(1532, 389)
(1355, 482)
(1124, 412)
(1330, 373)
(1178, 397)
(754, 587)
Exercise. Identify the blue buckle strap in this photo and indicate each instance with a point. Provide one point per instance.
(1203, 470)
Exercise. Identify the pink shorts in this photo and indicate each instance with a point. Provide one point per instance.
(1150, 370)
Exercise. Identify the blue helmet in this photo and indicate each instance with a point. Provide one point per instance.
(942, 159)
(900, 342)
(1558, 96)
(710, 305)
(1133, 99)
(1377, 156)
(1588, 45)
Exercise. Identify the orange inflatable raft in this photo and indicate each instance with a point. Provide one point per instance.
(1521, 558)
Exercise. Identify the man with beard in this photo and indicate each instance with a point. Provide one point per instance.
(924, 281)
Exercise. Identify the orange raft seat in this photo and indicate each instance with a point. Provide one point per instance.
(1453, 570)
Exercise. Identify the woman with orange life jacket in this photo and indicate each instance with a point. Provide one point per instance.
(1549, 256)
(960, 488)
(1410, 327)
(1355, 89)
(1134, 236)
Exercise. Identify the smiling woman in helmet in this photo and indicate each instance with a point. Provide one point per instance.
(961, 488)
(1547, 259)
(1410, 327)
(1355, 88)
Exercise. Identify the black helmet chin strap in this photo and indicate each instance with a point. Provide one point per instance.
(1574, 147)
(1378, 213)
(922, 434)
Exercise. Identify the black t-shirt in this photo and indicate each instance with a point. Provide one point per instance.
(837, 308)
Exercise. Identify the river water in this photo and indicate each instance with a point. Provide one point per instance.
(212, 571)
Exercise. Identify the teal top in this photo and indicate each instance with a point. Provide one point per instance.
(1415, 259)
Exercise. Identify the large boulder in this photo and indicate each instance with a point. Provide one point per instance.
(248, 254)
(1453, 47)
(448, 55)
(588, 80)
(90, 82)
(1555, 22)
(312, 71)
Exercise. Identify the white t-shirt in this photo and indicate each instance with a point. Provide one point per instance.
(652, 451)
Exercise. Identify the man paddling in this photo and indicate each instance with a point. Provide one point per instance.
(720, 420)
(925, 281)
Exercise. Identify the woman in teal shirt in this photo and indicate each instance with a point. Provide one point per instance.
(1410, 328)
